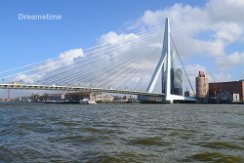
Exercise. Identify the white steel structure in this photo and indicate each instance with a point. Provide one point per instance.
(119, 71)
(164, 66)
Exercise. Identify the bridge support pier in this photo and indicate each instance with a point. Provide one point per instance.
(171, 101)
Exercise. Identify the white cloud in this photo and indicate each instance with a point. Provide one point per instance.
(206, 30)
(226, 10)
(186, 23)
(126, 48)
(220, 77)
(24, 78)
(66, 58)
(114, 38)
(192, 71)
(119, 43)
(228, 32)
(115, 63)
(233, 59)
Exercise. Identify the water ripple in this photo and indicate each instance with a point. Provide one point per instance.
(216, 157)
(121, 133)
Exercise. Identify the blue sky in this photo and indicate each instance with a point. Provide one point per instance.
(24, 42)
(208, 34)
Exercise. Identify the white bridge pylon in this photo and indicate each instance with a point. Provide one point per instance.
(164, 67)
(120, 72)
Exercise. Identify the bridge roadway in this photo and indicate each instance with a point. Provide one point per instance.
(77, 89)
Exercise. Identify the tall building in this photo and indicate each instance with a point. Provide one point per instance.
(176, 81)
(202, 86)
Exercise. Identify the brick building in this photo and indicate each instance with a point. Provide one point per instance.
(232, 87)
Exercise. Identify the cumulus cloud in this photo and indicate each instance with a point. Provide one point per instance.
(126, 52)
(119, 61)
(228, 32)
(221, 77)
(230, 60)
(66, 58)
(114, 38)
(192, 71)
(226, 10)
(206, 30)
(32, 74)
(119, 43)
(24, 78)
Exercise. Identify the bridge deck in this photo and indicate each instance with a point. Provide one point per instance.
(71, 88)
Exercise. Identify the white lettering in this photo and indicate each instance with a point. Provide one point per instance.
(20, 16)
(38, 17)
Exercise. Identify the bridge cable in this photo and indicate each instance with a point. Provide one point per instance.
(177, 53)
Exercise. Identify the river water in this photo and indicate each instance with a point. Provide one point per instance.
(121, 133)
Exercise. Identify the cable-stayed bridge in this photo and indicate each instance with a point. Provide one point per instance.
(143, 64)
